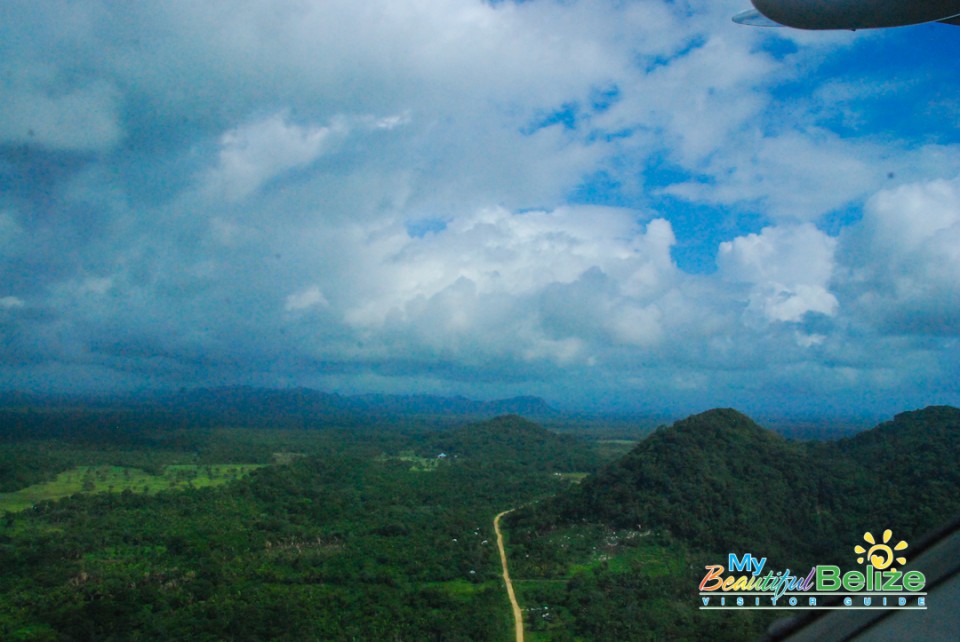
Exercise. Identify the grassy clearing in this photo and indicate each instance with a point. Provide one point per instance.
(461, 588)
(286, 457)
(116, 479)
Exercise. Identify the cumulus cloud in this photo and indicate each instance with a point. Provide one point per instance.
(903, 262)
(776, 173)
(789, 270)
(252, 154)
(519, 255)
(305, 299)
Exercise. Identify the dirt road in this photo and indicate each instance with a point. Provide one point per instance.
(517, 615)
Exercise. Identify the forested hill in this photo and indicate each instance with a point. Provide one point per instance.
(511, 438)
(909, 468)
(720, 482)
(908, 438)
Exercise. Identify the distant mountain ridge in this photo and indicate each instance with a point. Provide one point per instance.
(260, 400)
(240, 404)
(527, 406)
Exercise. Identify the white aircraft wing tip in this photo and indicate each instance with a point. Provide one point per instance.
(754, 18)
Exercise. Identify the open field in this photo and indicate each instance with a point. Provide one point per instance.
(116, 479)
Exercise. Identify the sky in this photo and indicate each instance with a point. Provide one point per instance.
(611, 204)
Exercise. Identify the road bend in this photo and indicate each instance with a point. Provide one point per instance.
(517, 615)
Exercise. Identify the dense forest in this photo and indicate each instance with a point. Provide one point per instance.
(719, 480)
(343, 534)
(150, 523)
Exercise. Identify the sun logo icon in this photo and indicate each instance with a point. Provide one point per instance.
(880, 555)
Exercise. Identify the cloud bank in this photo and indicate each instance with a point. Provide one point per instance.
(630, 205)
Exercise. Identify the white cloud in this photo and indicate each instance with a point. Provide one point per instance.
(911, 217)
(809, 340)
(307, 298)
(789, 255)
(902, 263)
(788, 176)
(563, 352)
(252, 154)
(519, 255)
(789, 269)
(791, 304)
(11, 303)
(637, 326)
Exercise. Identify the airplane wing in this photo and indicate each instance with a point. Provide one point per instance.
(849, 14)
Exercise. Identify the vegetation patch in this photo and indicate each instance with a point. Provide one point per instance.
(576, 478)
(611, 449)
(116, 479)
(418, 464)
(463, 589)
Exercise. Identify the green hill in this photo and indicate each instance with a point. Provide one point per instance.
(903, 472)
(716, 479)
(720, 482)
